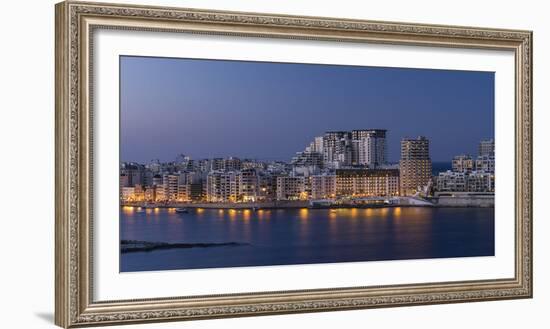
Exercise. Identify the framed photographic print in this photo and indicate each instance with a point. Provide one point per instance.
(217, 164)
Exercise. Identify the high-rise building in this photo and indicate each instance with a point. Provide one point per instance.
(487, 147)
(337, 148)
(369, 147)
(415, 165)
(341, 149)
(318, 144)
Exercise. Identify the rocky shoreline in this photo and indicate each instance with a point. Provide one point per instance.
(127, 246)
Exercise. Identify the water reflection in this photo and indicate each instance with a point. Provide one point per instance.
(232, 214)
(304, 212)
(397, 212)
(246, 215)
(128, 210)
(298, 236)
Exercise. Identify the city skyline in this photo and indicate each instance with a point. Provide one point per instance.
(270, 111)
(339, 166)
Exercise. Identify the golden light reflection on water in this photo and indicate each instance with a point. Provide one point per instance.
(413, 224)
(304, 214)
(397, 212)
(264, 214)
(128, 210)
(246, 214)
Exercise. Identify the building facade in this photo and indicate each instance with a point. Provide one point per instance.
(171, 184)
(415, 165)
(481, 182)
(474, 181)
(369, 147)
(337, 149)
(323, 187)
(485, 163)
(452, 181)
(291, 188)
(221, 186)
(367, 182)
(248, 185)
(308, 159)
(463, 163)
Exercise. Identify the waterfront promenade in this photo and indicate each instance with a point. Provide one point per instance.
(458, 200)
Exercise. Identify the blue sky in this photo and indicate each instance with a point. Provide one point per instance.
(218, 108)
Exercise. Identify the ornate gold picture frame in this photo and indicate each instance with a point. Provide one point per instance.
(76, 23)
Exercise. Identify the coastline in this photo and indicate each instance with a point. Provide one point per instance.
(432, 203)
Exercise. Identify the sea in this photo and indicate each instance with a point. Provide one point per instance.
(220, 238)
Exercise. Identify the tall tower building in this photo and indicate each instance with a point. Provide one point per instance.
(318, 144)
(337, 148)
(369, 147)
(415, 165)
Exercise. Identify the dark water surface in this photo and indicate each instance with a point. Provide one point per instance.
(304, 236)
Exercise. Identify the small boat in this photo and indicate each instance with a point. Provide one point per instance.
(182, 210)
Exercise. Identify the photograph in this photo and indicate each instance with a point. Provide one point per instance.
(252, 161)
(227, 163)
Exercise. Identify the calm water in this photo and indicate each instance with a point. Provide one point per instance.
(305, 236)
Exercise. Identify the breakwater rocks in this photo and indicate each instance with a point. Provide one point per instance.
(141, 246)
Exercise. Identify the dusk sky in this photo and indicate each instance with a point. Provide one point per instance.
(269, 111)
